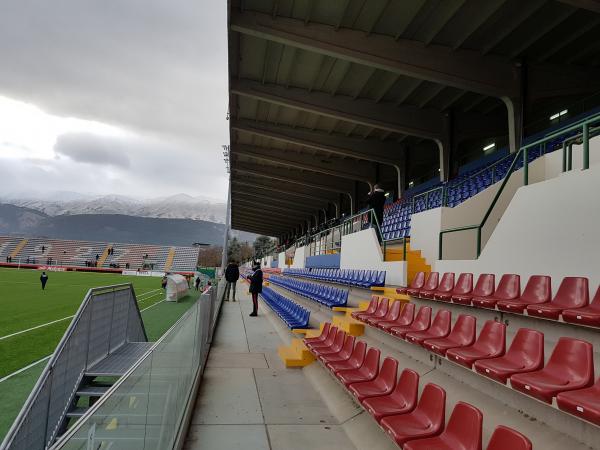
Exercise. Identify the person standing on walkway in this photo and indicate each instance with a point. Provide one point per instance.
(44, 280)
(232, 274)
(197, 282)
(256, 282)
(376, 201)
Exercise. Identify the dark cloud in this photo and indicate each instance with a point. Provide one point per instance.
(87, 148)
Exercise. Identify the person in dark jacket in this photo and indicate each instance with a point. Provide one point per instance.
(256, 282)
(44, 280)
(232, 274)
(376, 201)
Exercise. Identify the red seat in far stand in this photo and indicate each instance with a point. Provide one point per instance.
(405, 318)
(402, 400)
(509, 288)
(464, 286)
(526, 354)
(484, 288)
(445, 287)
(462, 335)
(417, 283)
(383, 384)
(366, 372)
(505, 438)
(463, 432)
(490, 344)
(421, 322)
(588, 315)
(584, 403)
(570, 367)
(537, 291)
(440, 327)
(572, 293)
(322, 336)
(426, 420)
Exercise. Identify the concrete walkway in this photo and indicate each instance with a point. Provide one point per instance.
(248, 400)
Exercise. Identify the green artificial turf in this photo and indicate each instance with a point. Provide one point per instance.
(23, 305)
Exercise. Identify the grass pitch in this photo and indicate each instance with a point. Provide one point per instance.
(23, 305)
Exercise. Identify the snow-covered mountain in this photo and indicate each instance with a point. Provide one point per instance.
(180, 206)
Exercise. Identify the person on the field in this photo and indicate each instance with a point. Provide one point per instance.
(163, 282)
(232, 274)
(256, 282)
(44, 280)
(376, 201)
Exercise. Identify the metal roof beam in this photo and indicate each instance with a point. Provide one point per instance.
(295, 191)
(463, 69)
(590, 5)
(280, 202)
(342, 169)
(426, 123)
(283, 211)
(314, 203)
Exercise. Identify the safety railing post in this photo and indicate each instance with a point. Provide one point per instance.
(404, 249)
(586, 146)
(525, 166)
(570, 157)
(564, 156)
(478, 241)
(440, 245)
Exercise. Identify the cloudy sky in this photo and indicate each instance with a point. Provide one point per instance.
(122, 97)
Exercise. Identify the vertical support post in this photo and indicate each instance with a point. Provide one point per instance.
(478, 241)
(570, 157)
(514, 108)
(586, 146)
(564, 156)
(525, 167)
(440, 246)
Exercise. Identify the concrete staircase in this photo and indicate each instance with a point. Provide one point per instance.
(18, 248)
(170, 258)
(416, 262)
(103, 257)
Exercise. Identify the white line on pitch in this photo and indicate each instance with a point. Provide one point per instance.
(23, 369)
(34, 328)
(152, 306)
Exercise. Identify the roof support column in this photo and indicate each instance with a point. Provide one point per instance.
(515, 107)
(337, 209)
(445, 148)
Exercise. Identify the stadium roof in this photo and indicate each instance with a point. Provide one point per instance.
(327, 98)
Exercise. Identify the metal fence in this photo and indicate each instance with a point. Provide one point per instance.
(149, 406)
(107, 319)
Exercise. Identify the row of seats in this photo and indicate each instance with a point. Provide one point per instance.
(414, 423)
(571, 301)
(568, 375)
(294, 315)
(360, 278)
(326, 295)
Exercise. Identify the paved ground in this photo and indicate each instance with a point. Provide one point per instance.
(249, 401)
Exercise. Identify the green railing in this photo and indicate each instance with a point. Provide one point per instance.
(567, 163)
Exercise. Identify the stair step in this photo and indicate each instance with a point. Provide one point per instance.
(92, 391)
(77, 412)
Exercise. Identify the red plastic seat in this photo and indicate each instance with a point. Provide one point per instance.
(405, 318)
(328, 342)
(462, 335)
(445, 287)
(584, 403)
(504, 438)
(370, 309)
(356, 358)
(484, 288)
(380, 312)
(392, 314)
(570, 367)
(537, 291)
(421, 322)
(572, 293)
(508, 288)
(526, 354)
(440, 327)
(322, 336)
(426, 420)
(343, 355)
(383, 384)
(490, 344)
(402, 400)
(463, 286)
(463, 432)
(588, 315)
(417, 283)
(431, 284)
(337, 345)
(367, 371)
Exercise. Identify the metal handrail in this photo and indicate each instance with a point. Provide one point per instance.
(584, 125)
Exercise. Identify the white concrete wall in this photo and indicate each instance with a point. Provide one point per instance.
(281, 261)
(299, 258)
(424, 226)
(362, 251)
(550, 228)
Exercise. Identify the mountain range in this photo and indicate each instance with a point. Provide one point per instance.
(180, 206)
